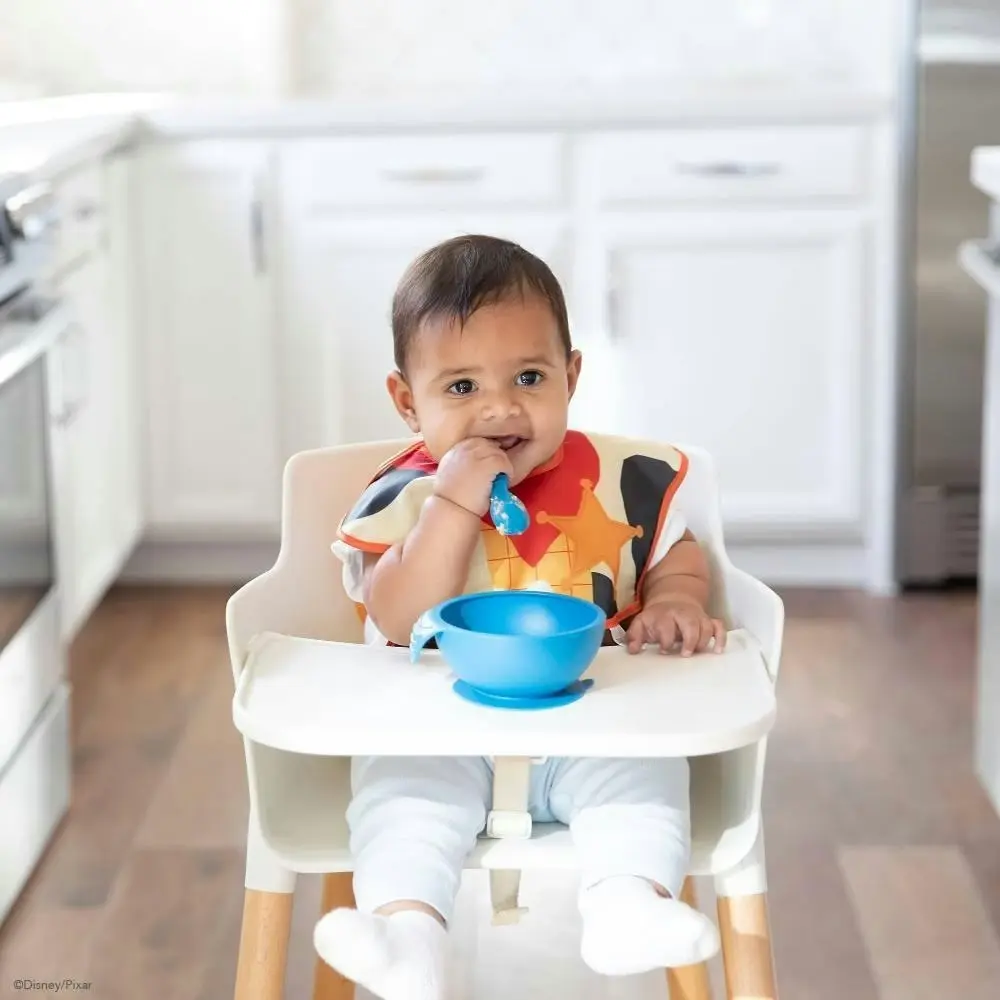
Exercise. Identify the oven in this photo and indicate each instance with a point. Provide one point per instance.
(34, 742)
(27, 544)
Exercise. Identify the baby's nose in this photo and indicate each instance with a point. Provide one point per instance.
(499, 405)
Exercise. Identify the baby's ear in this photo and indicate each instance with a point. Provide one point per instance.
(402, 398)
(573, 371)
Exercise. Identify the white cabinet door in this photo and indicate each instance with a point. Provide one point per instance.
(340, 280)
(744, 333)
(124, 411)
(88, 551)
(95, 416)
(211, 360)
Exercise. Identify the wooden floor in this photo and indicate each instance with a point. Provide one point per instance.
(883, 852)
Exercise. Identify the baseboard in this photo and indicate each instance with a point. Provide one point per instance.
(199, 562)
(803, 565)
(236, 562)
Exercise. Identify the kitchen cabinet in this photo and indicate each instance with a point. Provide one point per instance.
(743, 333)
(83, 497)
(212, 364)
(722, 284)
(715, 280)
(355, 211)
(125, 410)
(97, 490)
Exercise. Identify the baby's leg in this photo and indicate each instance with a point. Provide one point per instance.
(631, 822)
(413, 822)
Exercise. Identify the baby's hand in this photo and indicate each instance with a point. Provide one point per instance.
(676, 620)
(466, 472)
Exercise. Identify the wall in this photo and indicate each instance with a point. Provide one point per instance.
(416, 47)
(191, 46)
(385, 47)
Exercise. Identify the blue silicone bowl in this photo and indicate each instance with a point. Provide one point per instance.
(514, 643)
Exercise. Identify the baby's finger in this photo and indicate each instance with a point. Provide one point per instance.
(484, 448)
(498, 459)
(636, 635)
(706, 634)
(666, 632)
(719, 629)
(690, 628)
(479, 446)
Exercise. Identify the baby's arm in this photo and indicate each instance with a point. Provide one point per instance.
(682, 573)
(430, 566)
(432, 563)
(674, 601)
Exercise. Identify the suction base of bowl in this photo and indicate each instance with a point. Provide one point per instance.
(564, 697)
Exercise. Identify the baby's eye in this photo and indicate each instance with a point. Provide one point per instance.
(529, 378)
(462, 387)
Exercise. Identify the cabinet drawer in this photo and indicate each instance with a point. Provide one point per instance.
(31, 667)
(424, 171)
(34, 795)
(81, 207)
(739, 164)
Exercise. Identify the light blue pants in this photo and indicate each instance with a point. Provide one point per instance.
(414, 820)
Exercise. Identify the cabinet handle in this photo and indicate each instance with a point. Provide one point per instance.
(75, 344)
(728, 168)
(68, 415)
(257, 231)
(435, 175)
(613, 303)
(86, 210)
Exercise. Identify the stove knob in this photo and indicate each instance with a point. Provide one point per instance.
(31, 212)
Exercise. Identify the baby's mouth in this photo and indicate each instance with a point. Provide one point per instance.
(509, 441)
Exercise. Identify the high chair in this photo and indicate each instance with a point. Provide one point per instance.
(308, 697)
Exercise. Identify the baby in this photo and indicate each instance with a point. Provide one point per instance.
(485, 371)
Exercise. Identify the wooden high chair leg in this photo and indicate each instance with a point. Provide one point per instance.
(689, 982)
(744, 927)
(338, 892)
(267, 922)
(746, 947)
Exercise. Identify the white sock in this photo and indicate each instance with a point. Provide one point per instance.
(629, 928)
(400, 957)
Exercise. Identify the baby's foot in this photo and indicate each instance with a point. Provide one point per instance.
(400, 957)
(629, 928)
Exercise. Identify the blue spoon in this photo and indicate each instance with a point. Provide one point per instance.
(509, 515)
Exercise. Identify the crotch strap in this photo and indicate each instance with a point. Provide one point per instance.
(509, 819)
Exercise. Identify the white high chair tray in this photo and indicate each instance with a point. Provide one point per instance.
(346, 699)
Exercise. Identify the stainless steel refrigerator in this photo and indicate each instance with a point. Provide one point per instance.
(953, 106)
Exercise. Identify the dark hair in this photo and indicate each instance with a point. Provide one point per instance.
(457, 277)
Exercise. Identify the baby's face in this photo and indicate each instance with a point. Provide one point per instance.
(504, 375)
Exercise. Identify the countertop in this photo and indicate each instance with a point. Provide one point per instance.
(986, 170)
(48, 136)
(47, 149)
